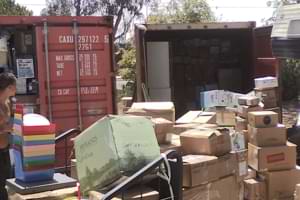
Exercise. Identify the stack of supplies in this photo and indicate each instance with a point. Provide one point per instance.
(33, 147)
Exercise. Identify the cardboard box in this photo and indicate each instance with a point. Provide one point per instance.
(272, 158)
(263, 137)
(167, 147)
(225, 117)
(241, 167)
(197, 117)
(244, 110)
(281, 184)
(246, 135)
(263, 119)
(270, 103)
(227, 165)
(206, 141)
(164, 110)
(266, 94)
(222, 189)
(297, 193)
(162, 127)
(248, 100)
(240, 124)
(237, 141)
(139, 192)
(199, 169)
(180, 128)
(266, 82)
(255, 189)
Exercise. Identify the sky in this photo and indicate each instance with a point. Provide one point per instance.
(225, 10)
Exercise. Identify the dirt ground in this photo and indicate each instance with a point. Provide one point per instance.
(289, 113)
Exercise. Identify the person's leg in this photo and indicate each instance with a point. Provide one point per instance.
(4, 173)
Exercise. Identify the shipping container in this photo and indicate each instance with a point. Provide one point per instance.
(64, 67)
(175, 62)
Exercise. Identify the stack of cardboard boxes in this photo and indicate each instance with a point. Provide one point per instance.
(208, 166)
(266, 89)
(272, 157)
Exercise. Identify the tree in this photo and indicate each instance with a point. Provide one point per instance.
(182, 11)
(124, 11)
(10, 7)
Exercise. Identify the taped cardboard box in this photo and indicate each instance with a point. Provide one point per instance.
(244, 110)
(197, 117)
(222, 189)
(225, 117)
(206, 141)
(180, 128)
(263, 137)
(255, 189)
(272, 158)
(266, 82)
(281, 184)
(248, 100)
(164, 110)
(263, 119)
(240, 124)
(140, 192)
(199, 169)
(162, 127)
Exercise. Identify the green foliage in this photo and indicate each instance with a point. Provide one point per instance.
(10, 7)
(291, 79)
(182, 11)
(127, 65)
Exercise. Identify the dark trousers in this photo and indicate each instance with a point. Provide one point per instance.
(5, 172)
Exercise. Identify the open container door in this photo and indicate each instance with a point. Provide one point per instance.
(265, 64)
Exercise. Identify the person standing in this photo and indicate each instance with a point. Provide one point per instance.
(7, 90)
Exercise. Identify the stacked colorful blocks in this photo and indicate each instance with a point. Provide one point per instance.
(34, 147)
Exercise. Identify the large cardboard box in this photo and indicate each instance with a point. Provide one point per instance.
(281, 184)
(164, 110)
(198, 117)
(255, 189)
(111, 145)
(248, 100)
(162, 127)
(180, 128)
(266, 82)
(206, 141)
(273, 136)
(272, 158)
(222, 189)
(199, 169)
(244, 110)
(263, 119)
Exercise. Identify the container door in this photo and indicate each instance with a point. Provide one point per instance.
(264, 64)
(158, 71)
(75, 84)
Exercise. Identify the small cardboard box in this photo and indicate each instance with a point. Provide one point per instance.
(199, 169)
(248, 100)
(266, 82)
(206, 141)
(255, 189)
(263, 137)
(266, 94)
(162, 127)
(240, 124)
(244, 110)
(272, 158)
(241, 164)
(222, 189)
(263, 119)
(281, 184)
(198, 117)
(164, 110)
